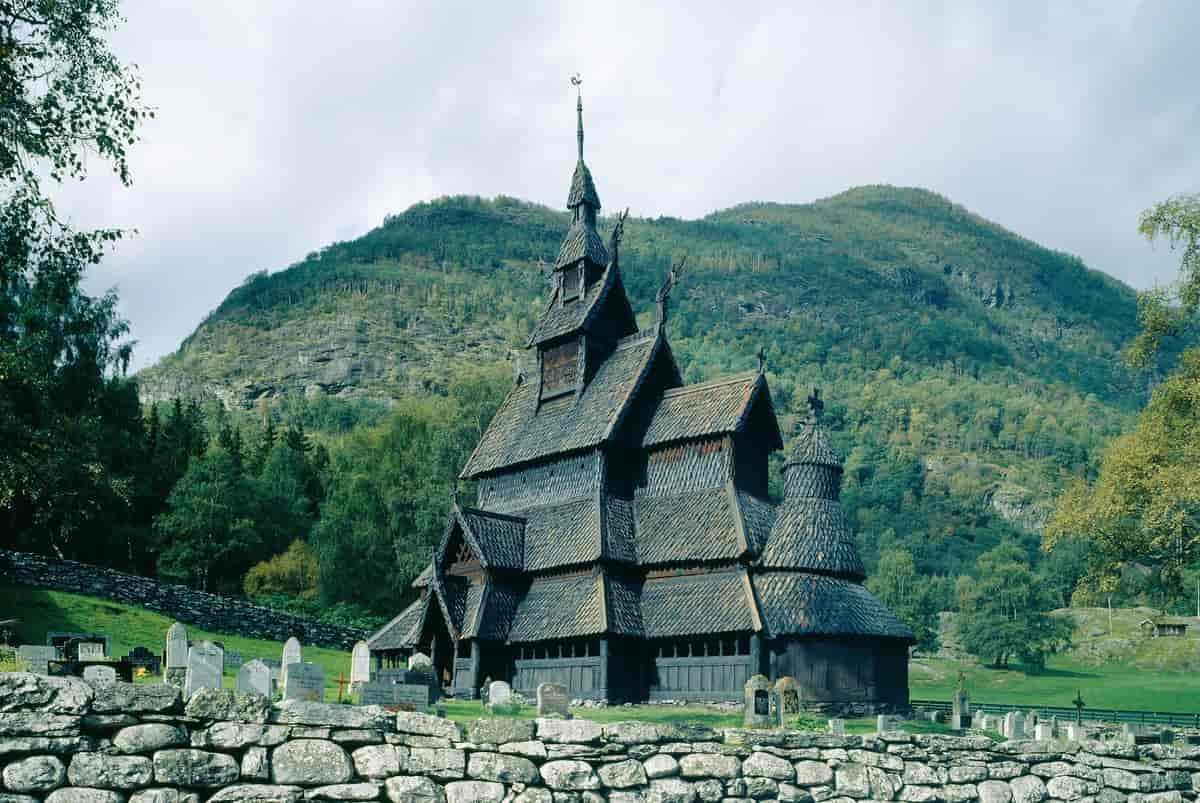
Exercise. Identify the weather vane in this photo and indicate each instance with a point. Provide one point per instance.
(576, 82)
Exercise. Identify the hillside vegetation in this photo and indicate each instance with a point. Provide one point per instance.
(969, 371)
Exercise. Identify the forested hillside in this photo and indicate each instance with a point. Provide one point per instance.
(968, 371)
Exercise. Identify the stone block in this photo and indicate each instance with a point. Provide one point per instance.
(503, 768)
(35, 774)
(149, 737)
(310, 762)
(198, 768)
(567, 775)
(110, 772)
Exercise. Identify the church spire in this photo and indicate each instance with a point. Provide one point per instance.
(578, 82)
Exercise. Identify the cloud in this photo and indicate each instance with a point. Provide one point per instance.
(283, 126)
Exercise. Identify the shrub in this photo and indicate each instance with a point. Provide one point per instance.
(293, 573)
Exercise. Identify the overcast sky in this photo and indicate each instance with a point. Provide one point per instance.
(282, 126)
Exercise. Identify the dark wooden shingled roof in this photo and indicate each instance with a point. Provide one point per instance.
(719, 602)
(562, 535)
(570, 607)
(812, 448)
(402, 632)
(812, 534)
(560, 319)
(799, 604)
(582, 241)
(684, 528)
(521, 431)
(500, 538)
(710, 408)
(583, 189)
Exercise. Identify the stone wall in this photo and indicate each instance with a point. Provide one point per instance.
(206, 611)
(63, 742)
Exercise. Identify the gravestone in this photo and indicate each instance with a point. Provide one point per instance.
(757, 702)
(985, 723)
(304, 681)
(233, 660)
(499, 693)
(886, 723)
(552, 700)
(1031, 720)
(1054, 726)
(960, 710)
(420, 662)
(977, 720)
(176, 661)
(205, 668)
(36, 658)
(789, 695)
(1014, 725)
(837, 727)
(90, 651)
(276, 673)
(1128, 734)
(408, 696)
(143, 658)
(291, 655)
(254, 677)
(1043, 732)
(99, 676)
(360, 664)
(1074, 732)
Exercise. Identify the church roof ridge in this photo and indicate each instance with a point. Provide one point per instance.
(720, 381)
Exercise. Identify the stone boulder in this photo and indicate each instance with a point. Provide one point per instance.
(110, 772)
(502, 768)
(257, 793)
(227, 705)
(149, 737)
(25, 691)
(139, 698)
(198, 768)
(359, 717)
(310, 762)
(500, 731)
(413, 789)
(425, 725)
(35, 774)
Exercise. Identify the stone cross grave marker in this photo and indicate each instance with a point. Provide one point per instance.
(304, 681)
(291, 655)
(360, 663)
(499, 693)
(552, 700)
(177, 647)
(99, 676)
(37, 658)
(757, 702)
(254, 677)
(205, 667)
(91, 651)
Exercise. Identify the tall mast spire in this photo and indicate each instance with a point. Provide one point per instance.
(578, 82)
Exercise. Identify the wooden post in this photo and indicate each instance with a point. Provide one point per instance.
(755, 654)
(603, 668)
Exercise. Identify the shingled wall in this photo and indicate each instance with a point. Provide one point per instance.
(62, 741)
(207, 611)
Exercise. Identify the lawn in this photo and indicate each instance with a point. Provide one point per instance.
(128, 626)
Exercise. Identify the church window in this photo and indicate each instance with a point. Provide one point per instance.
(560, 368)
(572, 281)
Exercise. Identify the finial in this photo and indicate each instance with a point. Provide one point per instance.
(614, 241)
(518, 367)
(815, 405)
(664, 292)
(454, 494)
(577, 82)
(761, 354)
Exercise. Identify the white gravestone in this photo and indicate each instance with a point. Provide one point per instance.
(291, 655)
(177, 647)
(420, 662)
(304, 682)
(552, 700)
(254, 677)
(37, 659)
(205, 668)
(91, 651)
(499, 693)
(1074, 732)
(99, 676)
(1043, 732)
(837, 727)
(360, 664)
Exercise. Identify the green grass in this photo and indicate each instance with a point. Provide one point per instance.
(128, 626)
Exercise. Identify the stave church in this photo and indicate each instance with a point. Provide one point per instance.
(623, 543)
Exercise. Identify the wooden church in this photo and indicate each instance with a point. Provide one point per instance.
(623, 543)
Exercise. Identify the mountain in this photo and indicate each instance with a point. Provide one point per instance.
(968, 371)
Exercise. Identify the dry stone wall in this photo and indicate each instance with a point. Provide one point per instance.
(62, 741)
(206, 611)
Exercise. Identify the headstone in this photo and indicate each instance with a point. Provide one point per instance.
(757, 702)
(276, 672)
(177, 647)
(36, 658)
(360, 663)
(291, 655)
(1031, 720)
(499, 693)
(552, 700)
(986, 723)
(254, 677)
(205, 668)
(1054, 726)
(960, 710)
(99, 676)
(1074, 732)
(91, 651)
(1128, 734)
(420, 662)
(143, 658)
(409, 696)
(837, 727)
(304, 681)
(233, 660)
(1043, 732)
(886, 723)
(789, 695)
(977, 720)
